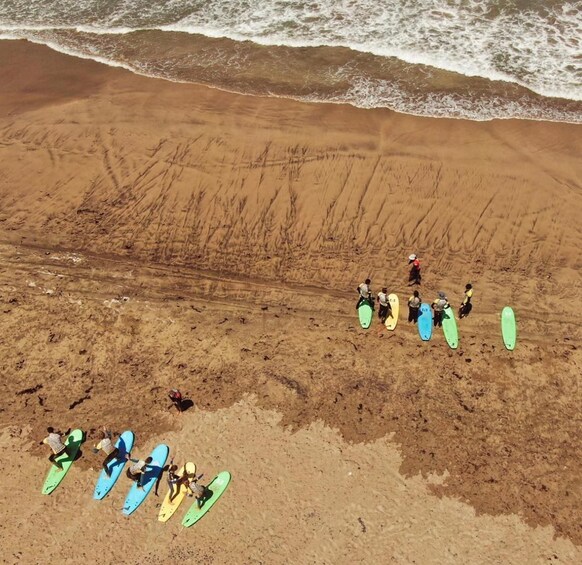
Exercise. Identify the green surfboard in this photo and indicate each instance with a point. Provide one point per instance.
(55, 476)
(508, 328)
(365, 314)
(450, 328)
(216, 488)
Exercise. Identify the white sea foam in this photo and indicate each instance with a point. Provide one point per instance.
(539, 52)
(366, 93)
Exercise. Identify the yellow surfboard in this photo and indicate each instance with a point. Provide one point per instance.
(170, 506)
(392, 318)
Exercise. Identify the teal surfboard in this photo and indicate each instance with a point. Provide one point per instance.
(450, 328)
(55, 476)
(105, 483)
(508, 328)
(365, 313)
(424, 322)
(216, 488)
(137, 495)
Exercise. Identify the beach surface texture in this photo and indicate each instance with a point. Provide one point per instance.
(158, 235)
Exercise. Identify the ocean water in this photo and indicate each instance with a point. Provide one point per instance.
(475, 59)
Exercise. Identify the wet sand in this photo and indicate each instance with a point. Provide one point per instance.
(156, 235)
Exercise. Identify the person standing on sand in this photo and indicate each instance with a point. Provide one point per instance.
(109, 449)
(439, 305)
(384, 309)
(176, 397)
(137, 471)
(365, 293)
(414, 303)
(55, 441)
(174, 480)
(466, 305)
(414, 276)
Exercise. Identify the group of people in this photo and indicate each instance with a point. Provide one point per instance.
(187, 479)
(439, 304)
(139, 467)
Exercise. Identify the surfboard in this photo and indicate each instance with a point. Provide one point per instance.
(392, 318)
(105, 483)
(365, 313)
(425, 322)
(216, 488)
(508, 328)
(136, 495)
(170, 506)
(55, 476)
(450, 328)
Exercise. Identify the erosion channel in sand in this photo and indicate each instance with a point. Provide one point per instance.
(237, 229)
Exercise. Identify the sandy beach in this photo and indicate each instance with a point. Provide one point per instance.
(157, 235)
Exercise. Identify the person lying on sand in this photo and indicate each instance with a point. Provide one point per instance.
(384, 309)
(365, 293)
(137, 471)
(111, 452)
(414, 303)
(466, 305)
(439, 305)
(55, 441)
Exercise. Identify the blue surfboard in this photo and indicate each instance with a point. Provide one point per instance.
(136, 495)
(105, 483)
(425, 322)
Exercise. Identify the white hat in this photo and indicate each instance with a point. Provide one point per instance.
(412, 257)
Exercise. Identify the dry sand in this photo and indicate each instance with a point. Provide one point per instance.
(237, 228)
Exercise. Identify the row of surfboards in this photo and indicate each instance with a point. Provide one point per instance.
(425, 322)
(136, 496)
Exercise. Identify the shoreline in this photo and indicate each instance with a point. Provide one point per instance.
(302, 100)
(176, 196)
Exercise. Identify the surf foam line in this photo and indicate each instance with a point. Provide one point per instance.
(407, 56)
(411, 57)
(415, 108)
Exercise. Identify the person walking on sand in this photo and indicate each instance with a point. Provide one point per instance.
(466, 305)
(365, 293)
(55, 441)
(176, 397)
(414, 303)
(137, 471)
(384, 305)
(111, 452)
(439, 305)
(414, 276)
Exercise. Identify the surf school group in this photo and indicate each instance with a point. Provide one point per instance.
(438, 314)
(145, 474)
